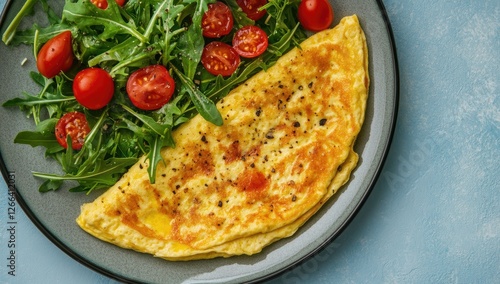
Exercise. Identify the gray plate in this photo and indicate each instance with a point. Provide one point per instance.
(54, 213)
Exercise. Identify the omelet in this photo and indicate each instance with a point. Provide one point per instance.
(284, 149)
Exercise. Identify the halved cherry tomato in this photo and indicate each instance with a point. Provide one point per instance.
(93, 88)
(151, 87)
(103, 4)
(56, 55)
(76, 126)
(220, 58)
(251, 8)
(315, 15)
(250, 41)
(217, 20)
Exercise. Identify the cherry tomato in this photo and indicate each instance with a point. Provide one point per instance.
(315, 15)
(251, 8)
(217, 20)
(76, 126)
(250, 41)
(151, 87)
(103, 4)
(93, 88)
(220, 58)
(56, 55)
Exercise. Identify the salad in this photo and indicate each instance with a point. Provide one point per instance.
(117, 77)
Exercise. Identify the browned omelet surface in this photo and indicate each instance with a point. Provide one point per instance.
(284, 149)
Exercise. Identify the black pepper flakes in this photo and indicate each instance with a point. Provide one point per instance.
(294, 198)
(204, 139)
(258, 112)
(322, 122)
(270, 134)
(296, 124)
(220, 203)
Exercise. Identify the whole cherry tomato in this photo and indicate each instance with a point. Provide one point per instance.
(251, 8)
(76, 126)
(151, 87)
(250, 41)
(56, 55)
(220, 58)
(217, 20)
(315, 15)
(93, 88)
(103, 4)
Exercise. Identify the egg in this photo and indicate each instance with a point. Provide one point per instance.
(285, 147)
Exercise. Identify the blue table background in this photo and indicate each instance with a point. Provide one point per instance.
(434, 214)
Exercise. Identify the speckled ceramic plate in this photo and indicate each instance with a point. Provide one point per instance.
(54, 213)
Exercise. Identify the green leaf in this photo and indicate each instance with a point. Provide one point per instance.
(105, 172)
(11, 29)
(50, 185)
(29, 100)
(149, 122)
(191, 43)
(206, 107)
(85, 14)
(118, 52)
(35, 139)
(239, 16)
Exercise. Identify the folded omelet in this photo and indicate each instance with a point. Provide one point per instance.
(286, 146)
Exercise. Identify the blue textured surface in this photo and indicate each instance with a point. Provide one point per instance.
(434, 214)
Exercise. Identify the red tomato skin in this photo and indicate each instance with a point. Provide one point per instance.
(76, 126)
(250, 41)
(120, 3)
(56, 55)
(251, 8)
(150, 87)
(220, 58)
(315, 15)
(217, 21)
(103, 4)
(93, 88)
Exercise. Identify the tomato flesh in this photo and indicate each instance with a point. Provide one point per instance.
(151, 87)
(251, 8)
(315, 15)
(103, 4)
(250, 41)
(56, 55)
(220, 58)
(76, 126)
(217, 20)
(93, 88)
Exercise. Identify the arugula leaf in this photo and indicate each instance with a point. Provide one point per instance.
(240, 17)
(191, 43)
(105, 172)
(35, 139)
(30, 100)
(50, 185)
(84, 14)
(205, 107)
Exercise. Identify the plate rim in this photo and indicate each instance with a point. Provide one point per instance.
(350, 217)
